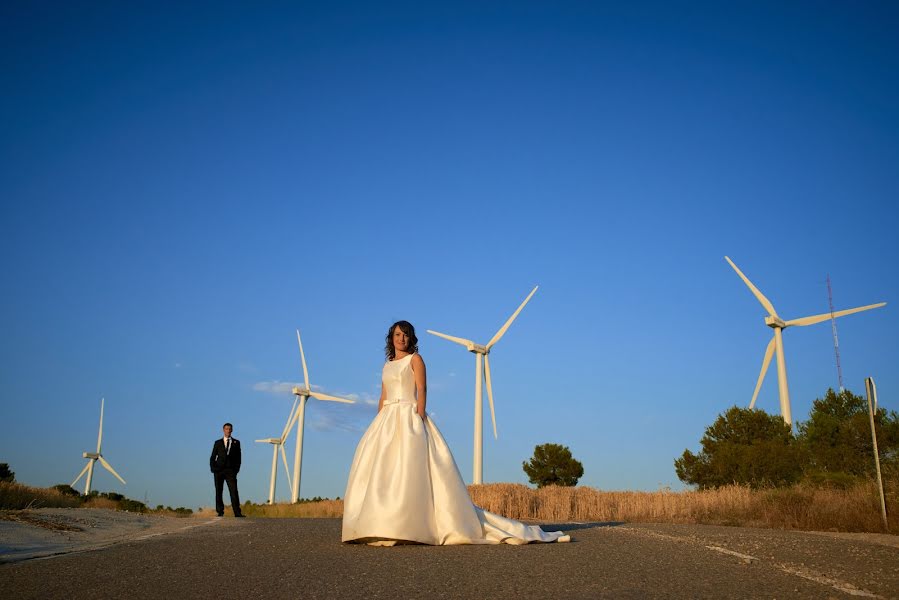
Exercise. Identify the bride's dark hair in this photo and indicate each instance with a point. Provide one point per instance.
(409, 330)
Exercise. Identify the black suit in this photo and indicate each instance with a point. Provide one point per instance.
(225, 464)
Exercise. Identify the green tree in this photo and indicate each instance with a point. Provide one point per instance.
(743, 446)
(6, 475)
(552, 464)
(837, 435)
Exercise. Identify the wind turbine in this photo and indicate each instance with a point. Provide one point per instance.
(776, 344)
(278, 446)
(93, 457)
(303, 394)
(482, 354)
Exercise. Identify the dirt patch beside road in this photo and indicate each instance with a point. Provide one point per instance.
(26, 534)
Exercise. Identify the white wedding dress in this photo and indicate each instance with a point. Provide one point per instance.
(404, 485)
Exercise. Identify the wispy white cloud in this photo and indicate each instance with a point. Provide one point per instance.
(281, 387)
(364, 401)
(327, 421)
(274, 387)
(333, 416)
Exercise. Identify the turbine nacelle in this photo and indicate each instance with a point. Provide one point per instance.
(275, 441)
(478, 349)
(298, 391)
(92, 455)
(774, 322)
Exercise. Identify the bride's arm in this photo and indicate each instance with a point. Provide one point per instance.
(381, 400)
(421, 384)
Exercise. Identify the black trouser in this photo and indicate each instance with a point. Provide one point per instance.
(229, 476)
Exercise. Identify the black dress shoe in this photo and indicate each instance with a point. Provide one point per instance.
(219, 515)
(239, 516)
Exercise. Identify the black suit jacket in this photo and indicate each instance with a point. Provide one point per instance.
(221, 460)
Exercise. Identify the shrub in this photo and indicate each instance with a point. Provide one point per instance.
(66, 490)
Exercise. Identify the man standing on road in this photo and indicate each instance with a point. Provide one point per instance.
(225, 464)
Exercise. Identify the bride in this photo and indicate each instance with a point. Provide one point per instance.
(404, 485)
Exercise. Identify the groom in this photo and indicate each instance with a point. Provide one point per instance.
(225, 464)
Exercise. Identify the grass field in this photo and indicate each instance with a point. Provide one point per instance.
(853, 509)
(856, 509)
(323, 509)
(15, 496)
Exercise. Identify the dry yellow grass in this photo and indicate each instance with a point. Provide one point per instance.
(168, 512)
(98, 502)
(807, 508)
(15, 496)
(309, 510)
(853, 509)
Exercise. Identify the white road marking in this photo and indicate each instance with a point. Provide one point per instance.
(744, 557)
(185, 528)
(846, 588)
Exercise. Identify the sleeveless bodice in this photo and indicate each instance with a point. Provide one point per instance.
(398, 380)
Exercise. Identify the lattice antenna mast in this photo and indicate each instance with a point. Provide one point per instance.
(836, 340)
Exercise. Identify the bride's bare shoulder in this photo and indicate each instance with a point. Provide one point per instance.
(417, 360)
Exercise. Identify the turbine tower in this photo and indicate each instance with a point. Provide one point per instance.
(278, 446)
(93, 457)
(303, 394)
(482, 355)
(776, 344)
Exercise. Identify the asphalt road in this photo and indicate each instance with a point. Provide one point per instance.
(303, 558)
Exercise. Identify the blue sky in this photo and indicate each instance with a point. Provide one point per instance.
(182, 187)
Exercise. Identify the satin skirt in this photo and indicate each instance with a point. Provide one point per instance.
(404, 486)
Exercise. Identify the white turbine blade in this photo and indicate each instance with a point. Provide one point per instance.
(303, 358)
(755, 291)
(81, 474)
(490, 392)
(110, 469)
(502, 330)
(100, 435)
(826, 316)
(286, 431)
(293, 419)
(766, 362)
(458, 340)
(321, 396)
(286, 468)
